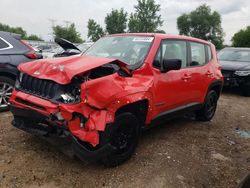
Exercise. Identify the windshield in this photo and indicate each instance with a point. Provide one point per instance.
(129, 49)
(234, 55)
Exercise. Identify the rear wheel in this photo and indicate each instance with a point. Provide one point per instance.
(6, 87)
(124, 138)
(209, 107)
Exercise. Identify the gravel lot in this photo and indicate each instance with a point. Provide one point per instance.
(183, 153)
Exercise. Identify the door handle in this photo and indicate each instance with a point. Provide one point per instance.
(209, 73)
(186, 77)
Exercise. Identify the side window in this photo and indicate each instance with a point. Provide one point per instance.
(3, 44)
(198, 54)
(172, 49)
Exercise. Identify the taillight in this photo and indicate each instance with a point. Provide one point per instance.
(31, 54)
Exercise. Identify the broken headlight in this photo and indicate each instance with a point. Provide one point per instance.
(71, 95)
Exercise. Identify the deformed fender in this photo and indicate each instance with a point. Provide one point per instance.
(132, 98)
(100, 101)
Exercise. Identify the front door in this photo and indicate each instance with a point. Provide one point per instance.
(171, 89)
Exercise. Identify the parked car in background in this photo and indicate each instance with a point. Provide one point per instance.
(69, 48)
(43, 48)
(56, 49)
(124, 83)
(13, 51)
(235, 64)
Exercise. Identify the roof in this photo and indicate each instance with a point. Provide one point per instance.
(163, 36)
(16, 36)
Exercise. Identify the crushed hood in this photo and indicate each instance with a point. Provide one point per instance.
(62, 70)
(66, 45)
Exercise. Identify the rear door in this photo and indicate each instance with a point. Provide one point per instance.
(199, 71)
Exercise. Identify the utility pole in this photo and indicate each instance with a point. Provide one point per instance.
(67, 23)
(52, 21)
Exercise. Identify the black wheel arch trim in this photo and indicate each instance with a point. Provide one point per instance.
(8, 73)
(216, 84)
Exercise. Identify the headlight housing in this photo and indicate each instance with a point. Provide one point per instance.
(71, 95)
(242, 73)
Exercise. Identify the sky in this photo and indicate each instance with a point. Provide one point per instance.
(36, 16)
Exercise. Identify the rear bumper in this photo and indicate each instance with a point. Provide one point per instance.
(37, 124)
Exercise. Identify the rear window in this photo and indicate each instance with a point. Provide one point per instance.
(3, 44)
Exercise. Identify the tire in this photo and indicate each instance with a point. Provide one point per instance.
(6, 87)
(124, 138)
(246, 90)
(206, 113)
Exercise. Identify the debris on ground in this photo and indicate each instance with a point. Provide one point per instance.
(220, 157)
(242, 133)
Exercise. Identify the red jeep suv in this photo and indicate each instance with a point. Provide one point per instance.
(102, 99)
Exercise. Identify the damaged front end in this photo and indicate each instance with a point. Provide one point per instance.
(87, 142)
(43, 106)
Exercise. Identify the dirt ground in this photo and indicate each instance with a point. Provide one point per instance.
(183, 153)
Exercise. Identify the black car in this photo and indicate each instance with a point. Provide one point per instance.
(13, 51)
(69, 48)
(235, 64)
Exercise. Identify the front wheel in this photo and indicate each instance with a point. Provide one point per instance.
(209, 107)
(124, 138)
(6, 87)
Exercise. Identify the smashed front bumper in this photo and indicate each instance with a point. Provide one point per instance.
(34, 123)
(89, 129)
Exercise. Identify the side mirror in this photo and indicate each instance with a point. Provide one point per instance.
(171, 64)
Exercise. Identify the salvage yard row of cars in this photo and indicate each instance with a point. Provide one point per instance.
(62, 48)
(124, 83)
